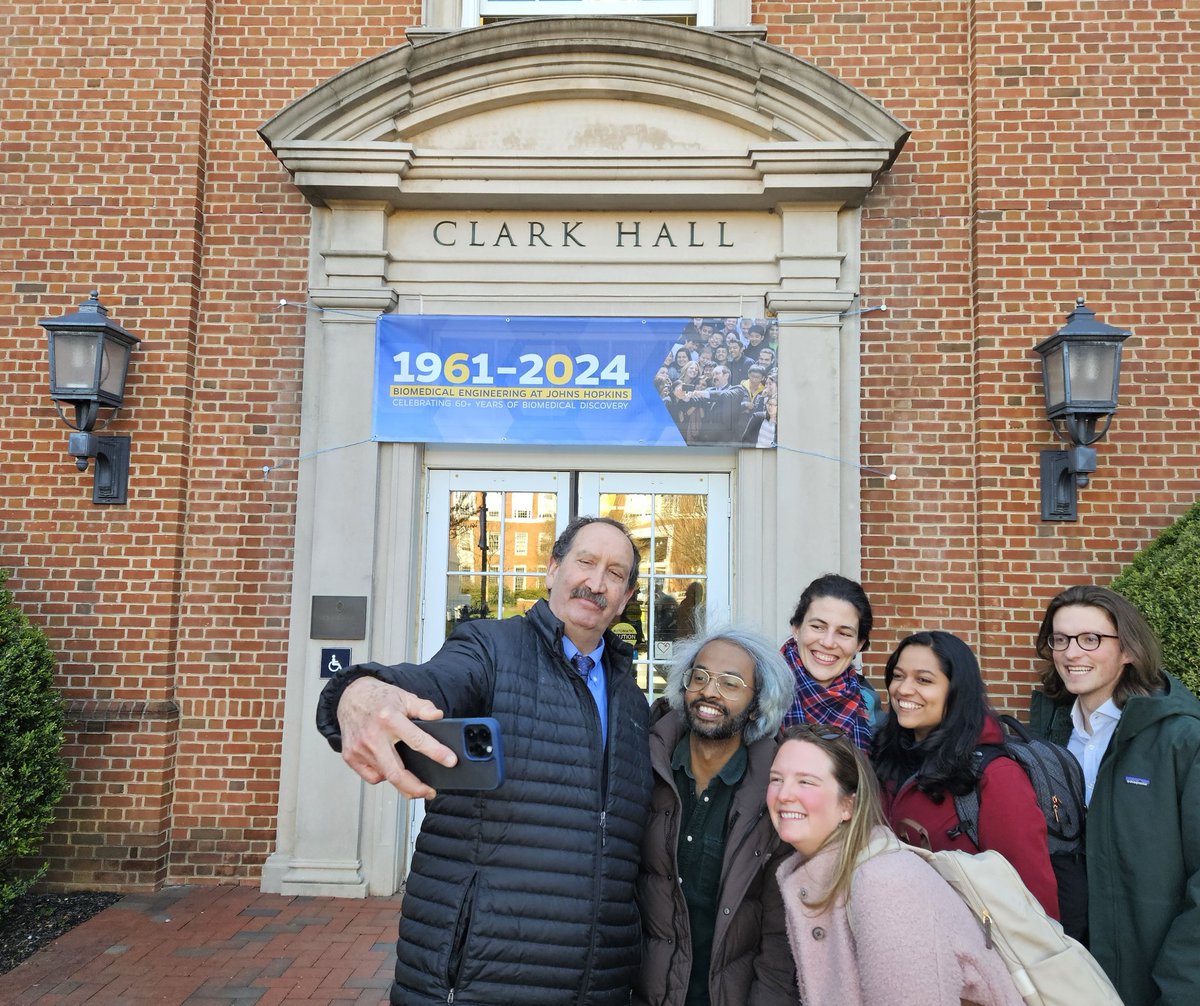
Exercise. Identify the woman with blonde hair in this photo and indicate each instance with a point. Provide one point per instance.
(870, 923)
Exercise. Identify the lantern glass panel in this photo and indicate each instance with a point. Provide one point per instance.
(1093, 368)
(113, 368)
(1053, 378)
(75, 360)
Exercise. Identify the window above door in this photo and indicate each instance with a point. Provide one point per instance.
(691, 12)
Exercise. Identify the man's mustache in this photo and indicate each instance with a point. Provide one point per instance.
(599, 600)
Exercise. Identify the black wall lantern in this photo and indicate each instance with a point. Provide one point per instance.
(89, 360)
(1081, 370)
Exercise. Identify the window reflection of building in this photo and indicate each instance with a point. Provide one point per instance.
(488, 531)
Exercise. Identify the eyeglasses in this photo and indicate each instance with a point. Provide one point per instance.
(1086, 640)
(729, 686)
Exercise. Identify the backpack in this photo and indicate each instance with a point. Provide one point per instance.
(1057, 781)
(1048, 967)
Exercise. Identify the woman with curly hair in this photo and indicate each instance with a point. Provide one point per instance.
(830, 627)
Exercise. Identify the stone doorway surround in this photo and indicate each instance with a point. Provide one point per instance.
(555, 119)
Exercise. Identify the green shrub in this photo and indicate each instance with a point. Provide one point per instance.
(32, 775)
(1164, 582)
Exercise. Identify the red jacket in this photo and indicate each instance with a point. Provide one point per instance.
(1010, 821)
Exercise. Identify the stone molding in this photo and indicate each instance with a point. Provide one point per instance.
(370, 133)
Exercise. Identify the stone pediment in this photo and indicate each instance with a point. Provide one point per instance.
(615, 111)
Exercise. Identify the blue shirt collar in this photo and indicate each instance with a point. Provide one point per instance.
(570, 649)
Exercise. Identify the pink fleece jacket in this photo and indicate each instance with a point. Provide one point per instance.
(904, 939)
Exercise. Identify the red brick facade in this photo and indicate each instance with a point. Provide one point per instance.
(1052, 154)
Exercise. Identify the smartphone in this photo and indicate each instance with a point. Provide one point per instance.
(476, 741)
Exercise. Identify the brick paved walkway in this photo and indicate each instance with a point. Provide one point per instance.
(216, 946)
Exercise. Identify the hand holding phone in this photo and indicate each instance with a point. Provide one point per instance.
(475, 740)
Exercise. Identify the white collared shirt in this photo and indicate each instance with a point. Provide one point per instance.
(1089, 747)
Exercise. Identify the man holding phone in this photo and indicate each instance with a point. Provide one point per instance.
(525, 894)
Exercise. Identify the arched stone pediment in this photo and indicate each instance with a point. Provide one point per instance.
(548, 110)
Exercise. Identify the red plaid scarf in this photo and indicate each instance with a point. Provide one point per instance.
(838, 703)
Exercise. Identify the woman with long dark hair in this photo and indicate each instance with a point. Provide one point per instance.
(925, 755)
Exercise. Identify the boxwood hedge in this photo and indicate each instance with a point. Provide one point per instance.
(1163, 580)
(32, 775)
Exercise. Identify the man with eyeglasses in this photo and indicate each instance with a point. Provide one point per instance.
(1135, 729)
(713, 925)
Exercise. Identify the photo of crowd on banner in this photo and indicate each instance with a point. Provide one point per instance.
(719, 381)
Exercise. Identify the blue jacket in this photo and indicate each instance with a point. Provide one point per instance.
(526, 894)
(1143, 845)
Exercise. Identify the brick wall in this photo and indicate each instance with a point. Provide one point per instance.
(1051, 155)
(131, 165)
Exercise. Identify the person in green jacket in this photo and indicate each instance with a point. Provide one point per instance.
(1136, 731)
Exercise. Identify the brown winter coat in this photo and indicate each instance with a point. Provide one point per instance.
(751, 963)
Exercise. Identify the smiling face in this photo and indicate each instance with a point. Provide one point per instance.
(590, 587)
(1090, 675)
(803, 798)
(827, 637)
(918, 690)
(709, 713)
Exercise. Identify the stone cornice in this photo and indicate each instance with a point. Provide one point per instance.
(807, 135)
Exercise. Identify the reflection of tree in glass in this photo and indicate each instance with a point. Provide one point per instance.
(686, 531)
(468, 515)
(482, 527)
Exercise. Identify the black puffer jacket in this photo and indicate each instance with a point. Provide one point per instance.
(525, 895)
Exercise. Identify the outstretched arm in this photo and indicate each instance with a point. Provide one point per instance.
(365, 711)
(372, 717)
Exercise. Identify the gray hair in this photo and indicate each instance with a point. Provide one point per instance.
(774, 684)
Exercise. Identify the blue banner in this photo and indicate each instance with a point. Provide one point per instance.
(539, 380)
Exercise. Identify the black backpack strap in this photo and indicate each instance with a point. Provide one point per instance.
(966, 806)
(1015, 726)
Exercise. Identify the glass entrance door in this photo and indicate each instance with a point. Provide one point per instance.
(681, 524)
(490, 535)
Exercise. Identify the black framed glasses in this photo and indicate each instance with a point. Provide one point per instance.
(729, 686)
(1086, 640)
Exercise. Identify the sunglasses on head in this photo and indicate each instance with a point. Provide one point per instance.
(822, 731)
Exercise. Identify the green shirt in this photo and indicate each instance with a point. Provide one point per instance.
(701, 850)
